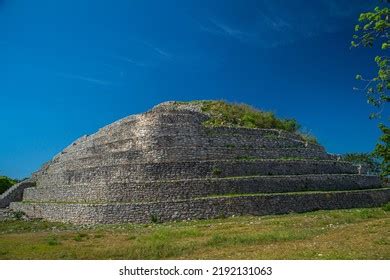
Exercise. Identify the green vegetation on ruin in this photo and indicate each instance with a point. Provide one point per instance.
(241, 115)
(6, 183)
(336, 234)
(225, 114)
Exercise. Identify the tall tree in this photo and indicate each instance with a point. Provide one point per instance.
(372, 30)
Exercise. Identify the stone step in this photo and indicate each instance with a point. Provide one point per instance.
(15, 193)
(191, 153)
(163, 124)
(202, 208)
(185, 189)
(188, 170)
(161, 142)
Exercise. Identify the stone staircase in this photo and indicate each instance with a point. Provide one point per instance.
(166, 165)
(15, 193)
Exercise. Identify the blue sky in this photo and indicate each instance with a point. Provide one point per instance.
(69, 67)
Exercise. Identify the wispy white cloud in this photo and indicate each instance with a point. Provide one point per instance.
(159, 51)
(274, 23)
(228, 30)
(221, 28)
(145, 54)
(85, 78)
(252, 36)
(162, 53)
(129, 60)
(325, 16)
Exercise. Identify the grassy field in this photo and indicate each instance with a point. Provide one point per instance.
(338, 234)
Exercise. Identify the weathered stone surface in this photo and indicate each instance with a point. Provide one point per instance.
(190, 170)
(184, 189)
(202, 208)
(15, 193)
(165, 163)
(5, 214)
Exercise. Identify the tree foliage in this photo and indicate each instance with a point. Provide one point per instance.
(374, 28)
(382, 150)
(364, 158)
(5, 183)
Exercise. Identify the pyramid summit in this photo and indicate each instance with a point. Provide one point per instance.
(193, 160)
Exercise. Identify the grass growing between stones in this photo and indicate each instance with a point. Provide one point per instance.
(337, 234)
(241, 115)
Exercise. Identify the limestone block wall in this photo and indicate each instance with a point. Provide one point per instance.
(201, 208)
(192, 169)
(141, 143)
(194, 153)
(184, 189)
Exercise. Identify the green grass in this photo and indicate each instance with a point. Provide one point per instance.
(242, 115)
(224, 114)
(52, 240)
(386, 207)
(329, 193)
(337, 234)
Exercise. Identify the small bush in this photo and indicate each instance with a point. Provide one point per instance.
(382, 151)
(77, 238)
(52, 240)
(308, 138)
(80, 237)
(386, 207)
(18, 215)
(154, 219)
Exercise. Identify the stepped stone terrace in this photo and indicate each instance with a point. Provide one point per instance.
(171, 164)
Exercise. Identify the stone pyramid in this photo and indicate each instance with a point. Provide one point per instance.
(166, 164)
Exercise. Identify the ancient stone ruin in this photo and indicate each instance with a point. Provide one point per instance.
(166, 164)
